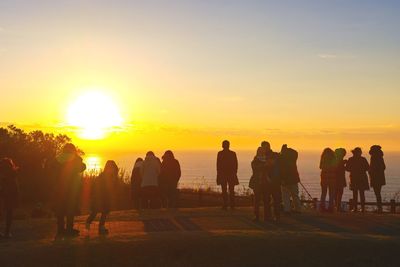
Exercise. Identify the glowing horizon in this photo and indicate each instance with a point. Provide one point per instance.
(187, 75)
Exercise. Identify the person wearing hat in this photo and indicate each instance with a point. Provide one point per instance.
(69, 167)
(358, 167)
(377, 173)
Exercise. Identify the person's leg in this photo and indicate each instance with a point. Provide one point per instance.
(286, 199)
(91, 217)
(9, 217)
(257, 199)
(362, 200)
(339, 195)
(276, 197)
(355, 199)
(103, 219)
(332, 196)
(70, 223)
(377, 191)
(60, 224)
(232, 195)
(324, 189)
(294, 192)
(267, 205)
(224, 187)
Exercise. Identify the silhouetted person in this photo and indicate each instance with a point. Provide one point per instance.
(358, 167)
(136, 182)
(150, 172)
(327, 166)
(102, 193)
(340, 153)
(259, 183)
(290, 179)
(69, 166)
(377, 173)
(227, 166)
(9, 192)
(169, 178)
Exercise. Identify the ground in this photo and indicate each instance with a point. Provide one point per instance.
(210, 237)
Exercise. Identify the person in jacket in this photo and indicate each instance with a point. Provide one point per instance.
(102, 192)
(377, 173)
(150, 172)
(136, 181)
(340, 153)
(227, 166)
(327, 166)
(9, 192)
(169, 178)
(358, 167)
(69, 167)
(259, 183)
(290, 180)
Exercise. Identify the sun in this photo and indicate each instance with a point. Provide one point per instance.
(94, 114)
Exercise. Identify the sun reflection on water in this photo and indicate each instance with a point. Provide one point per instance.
(94, 163)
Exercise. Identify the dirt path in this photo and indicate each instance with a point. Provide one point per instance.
(210, 237)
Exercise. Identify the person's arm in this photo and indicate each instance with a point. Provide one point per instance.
(179, 171)
(219, 162)
(235, 165)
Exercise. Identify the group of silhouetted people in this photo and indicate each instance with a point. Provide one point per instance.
(333, 177)
(154, 183)
(274, 180)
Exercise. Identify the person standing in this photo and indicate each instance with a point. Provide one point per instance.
(9, 193)
(169, 178)
(358, 167)
(69, 167)
(227, 166)
(327, 166)
(150, 172)
(102, 192)
(136, 181)
(340, 153)
(377, 173)
(290, 179)
(259, 183)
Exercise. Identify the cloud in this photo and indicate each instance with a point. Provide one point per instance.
(328, 56)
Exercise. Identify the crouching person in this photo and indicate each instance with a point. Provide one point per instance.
(8, 192)
(102, 191)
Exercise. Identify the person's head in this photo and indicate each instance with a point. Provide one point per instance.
(150, 154)
(284, 148)
(168, 155)
(376, 151)
(260, 154)
(357, 152)
(226, 144)
(265, 145)
(327, 155)
(69, 148)
(7, 166)
(111, 168)
(340, 153)
(138, 160)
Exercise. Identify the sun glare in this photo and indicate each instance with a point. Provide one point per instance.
(94, 114)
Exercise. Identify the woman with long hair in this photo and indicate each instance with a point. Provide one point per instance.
(101, 195)
(377, 173)
(340, 153)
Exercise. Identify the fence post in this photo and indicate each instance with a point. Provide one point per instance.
(351, 204)
(315, 202)
(392, 206)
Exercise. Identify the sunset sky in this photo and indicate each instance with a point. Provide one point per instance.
(188, 74)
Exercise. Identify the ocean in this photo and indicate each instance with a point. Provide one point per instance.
(199, 171)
